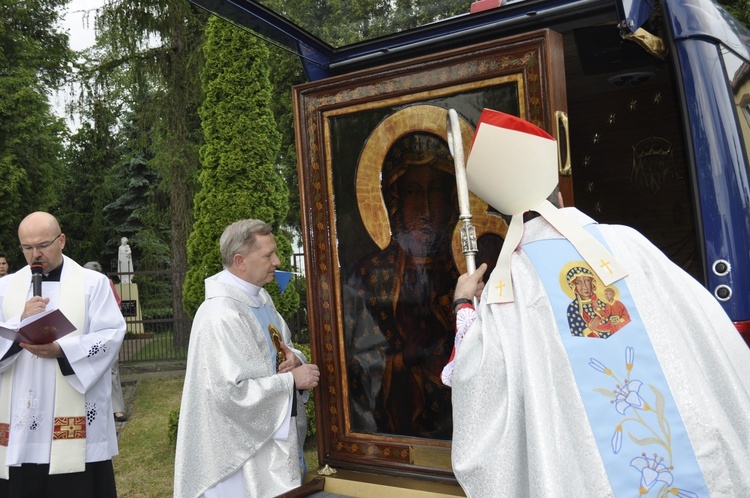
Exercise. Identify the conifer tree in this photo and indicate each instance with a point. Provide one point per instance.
(239, 177)
(151, 49)
(87, 189)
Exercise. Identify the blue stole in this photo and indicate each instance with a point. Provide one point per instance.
(268, 323)
(639, 431)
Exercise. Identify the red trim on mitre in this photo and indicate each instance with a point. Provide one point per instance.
(509, 122)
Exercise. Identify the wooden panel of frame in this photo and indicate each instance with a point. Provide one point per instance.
(382, 252)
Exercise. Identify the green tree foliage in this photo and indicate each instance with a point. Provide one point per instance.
(285, 72)
(153, 48)
(87, 189)
(32, 40)
(138, 212)
(239, 178)
(344, 22)
(739, 9)
(34, 58)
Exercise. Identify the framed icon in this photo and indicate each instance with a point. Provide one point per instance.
(381, 238)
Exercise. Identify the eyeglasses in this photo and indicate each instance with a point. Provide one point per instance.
(39, 247)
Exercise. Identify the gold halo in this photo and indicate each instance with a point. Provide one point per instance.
(597, 282)
(372, 209)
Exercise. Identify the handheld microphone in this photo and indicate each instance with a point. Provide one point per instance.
(36, 278)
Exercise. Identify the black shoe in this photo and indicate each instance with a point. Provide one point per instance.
(121, 417)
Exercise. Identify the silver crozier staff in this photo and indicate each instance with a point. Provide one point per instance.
(468, 234)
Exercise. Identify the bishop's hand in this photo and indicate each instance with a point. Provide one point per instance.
(470, 286)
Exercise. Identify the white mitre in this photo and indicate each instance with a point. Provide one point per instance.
(513, 167)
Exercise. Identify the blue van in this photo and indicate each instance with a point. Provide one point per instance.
(649, 100)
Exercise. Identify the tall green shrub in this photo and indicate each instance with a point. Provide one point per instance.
(239, 177)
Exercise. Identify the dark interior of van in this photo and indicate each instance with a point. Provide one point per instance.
(627, 141)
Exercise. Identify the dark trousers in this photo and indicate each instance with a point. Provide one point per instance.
(33, 481)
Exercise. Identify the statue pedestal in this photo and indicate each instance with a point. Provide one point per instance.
(131, 307)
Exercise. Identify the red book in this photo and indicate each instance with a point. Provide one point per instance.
(41, 328)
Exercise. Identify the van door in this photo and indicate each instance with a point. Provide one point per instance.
(710, 53)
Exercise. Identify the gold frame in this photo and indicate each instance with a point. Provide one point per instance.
(325, 111)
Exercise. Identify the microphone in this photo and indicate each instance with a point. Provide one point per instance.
(36, 278)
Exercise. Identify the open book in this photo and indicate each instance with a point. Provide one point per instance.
(41, 328)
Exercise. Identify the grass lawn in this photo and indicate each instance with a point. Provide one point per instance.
(150, 347)
(145, 466)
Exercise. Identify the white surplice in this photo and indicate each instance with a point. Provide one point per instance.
(90, 354)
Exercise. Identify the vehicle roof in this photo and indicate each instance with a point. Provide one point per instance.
(339, 37)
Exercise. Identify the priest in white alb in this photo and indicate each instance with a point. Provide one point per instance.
(553, 394)
(57, 432)
(242, 417)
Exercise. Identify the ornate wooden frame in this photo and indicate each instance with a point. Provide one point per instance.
(325, 112)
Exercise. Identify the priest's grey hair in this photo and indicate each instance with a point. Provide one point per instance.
(239, 238)
(94, 265)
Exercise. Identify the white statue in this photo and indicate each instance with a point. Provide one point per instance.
(125, 262)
